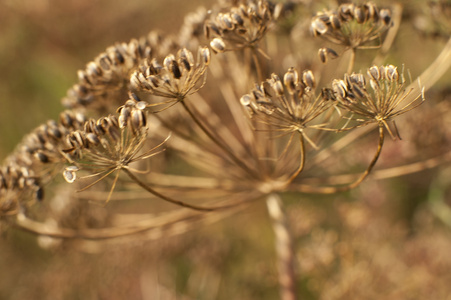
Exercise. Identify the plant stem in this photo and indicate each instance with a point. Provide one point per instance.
(302, 159)
(331, 189)
(284, 247)
(351, 61)
(232, 156)
(171, 200)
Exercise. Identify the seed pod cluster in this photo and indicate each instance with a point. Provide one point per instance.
(107, 76)
(351, 25)
(288, 104)
(33, 162)
(16, 185)
(243, 26)
(177, 77)
(377, 97)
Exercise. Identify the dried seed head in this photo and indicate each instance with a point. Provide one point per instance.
(240, 27)
(288, 106)
(178, 77)
(385, 98)
(351, 25)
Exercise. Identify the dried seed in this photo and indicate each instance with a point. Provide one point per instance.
(374, 73)
(138, 120)
(124, 116)
(277, 85)
(334, 21)
(70, 174)
(308, 79)
(318, 27)
(339, 88)
(359, 14)
(291, 80)
(246, 100)
(218, 45)
(205, 55)
(385, 15)
(42, 157)
(92, 138)
(391, 73)
(141, 105)
(237, 19)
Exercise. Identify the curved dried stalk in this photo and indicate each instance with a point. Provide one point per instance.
(351, 61)
(174, 201)
(301, 159)
(331, 190)
(232, 156)
(153, 226)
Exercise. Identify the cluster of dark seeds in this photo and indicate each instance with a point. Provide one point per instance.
(177, 77)
(243, 26)
(15, 185)
(108, 142)
(107, 76)
(32, 163)
(351, 25)
(287, 105)
(382, 100)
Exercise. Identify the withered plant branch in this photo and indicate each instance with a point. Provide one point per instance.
(151, 223)
(174, 201)
(284, 247)
(351, 60)
(301, 159)
(304, 188)
(232, 156)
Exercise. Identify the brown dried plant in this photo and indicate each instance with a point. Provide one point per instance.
(210, 135)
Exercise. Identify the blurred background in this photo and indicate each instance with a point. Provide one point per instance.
(387, 239)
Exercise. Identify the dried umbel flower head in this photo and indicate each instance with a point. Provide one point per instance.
(241, 27)
(352, 25)
(107, 75)
(108, 144)
(175, 79)
(289, 105)
(378, 97)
